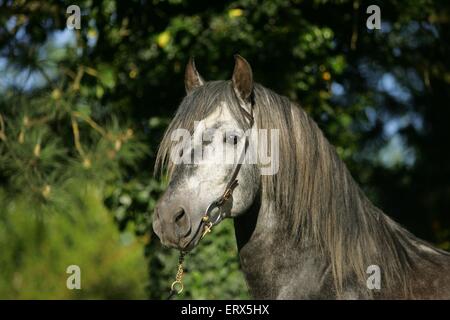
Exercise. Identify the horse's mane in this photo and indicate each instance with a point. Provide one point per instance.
(318, 199)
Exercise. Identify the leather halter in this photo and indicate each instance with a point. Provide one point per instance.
(209, 220)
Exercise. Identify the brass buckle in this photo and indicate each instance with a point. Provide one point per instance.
(207, 230)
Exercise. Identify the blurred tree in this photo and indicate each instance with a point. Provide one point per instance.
(379, 95)
(39, 243)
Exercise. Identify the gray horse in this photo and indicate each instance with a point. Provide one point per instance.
(307, 231)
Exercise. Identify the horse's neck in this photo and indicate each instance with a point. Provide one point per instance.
(274, 266)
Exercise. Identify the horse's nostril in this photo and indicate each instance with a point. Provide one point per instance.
(179, 215)
(182, 223)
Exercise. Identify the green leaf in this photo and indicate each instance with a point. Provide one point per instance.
(107, 76)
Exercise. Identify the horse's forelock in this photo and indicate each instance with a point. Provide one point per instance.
(196, 106)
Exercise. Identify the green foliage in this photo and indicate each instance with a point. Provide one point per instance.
(38, 244)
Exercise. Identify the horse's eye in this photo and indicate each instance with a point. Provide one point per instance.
(231, 138)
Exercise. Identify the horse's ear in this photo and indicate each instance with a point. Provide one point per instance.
(192, 79)
(242, 79)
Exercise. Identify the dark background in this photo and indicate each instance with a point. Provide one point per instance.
(82, 112)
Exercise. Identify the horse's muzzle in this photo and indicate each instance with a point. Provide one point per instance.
(172, 224)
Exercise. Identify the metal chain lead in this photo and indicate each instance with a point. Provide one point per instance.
(177, 285)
